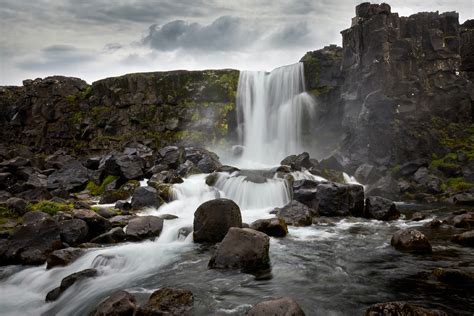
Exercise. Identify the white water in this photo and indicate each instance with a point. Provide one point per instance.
(272, 109)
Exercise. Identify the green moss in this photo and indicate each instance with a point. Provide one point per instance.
(71, 99)
(7, 214)
(458, 184)
(50, 207)
(395, 169)
(95, 189)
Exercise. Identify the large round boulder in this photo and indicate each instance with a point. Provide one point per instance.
(144, 227)
(285, 306)
(411, 240)
(242, 248)
(120, 303)
(63, 257)
(167, 301)
(275, 227)
(380, 208)
(73, 231)
(213, 219)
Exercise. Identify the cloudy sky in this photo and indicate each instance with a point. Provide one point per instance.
(94, 39)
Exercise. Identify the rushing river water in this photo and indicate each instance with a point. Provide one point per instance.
(338, 267)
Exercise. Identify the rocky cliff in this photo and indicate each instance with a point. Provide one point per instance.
(152, 108)
(398, 89)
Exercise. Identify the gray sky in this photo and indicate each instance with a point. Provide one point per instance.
(94, 39)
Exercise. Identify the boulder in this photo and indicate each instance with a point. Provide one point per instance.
(73, 231)
(172, 156)
(63, 257)
(242, 248)
(131, 167)
(96, 224)
(68, 281)
(464, 220)
(72, 177)
(340, 199)
(32, 243)
(464, 199)
(145, 197)
(123, 205)
(465, 239)
(120, 220)
(304, 191)
(105, 212)
(166, 176)
(120, 303)
(144, 227)
(213, 219)
(296, 214)
(385, 187)
(401, 309)
(275, 227)
(208, 164)
(411, 240)
(16, 204)
(367, 174)
(285, 306)
(417, 216)
(331, 163)
(187, 169)
(410, 167)
(455, 276)
(380, 208)
(113, 236)
(167, 301)
(112, 196)
(431, 183)
(34, 217)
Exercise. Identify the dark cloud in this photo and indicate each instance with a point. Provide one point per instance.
(225, 33)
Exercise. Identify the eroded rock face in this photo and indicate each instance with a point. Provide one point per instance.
(214, 218)
(242, 248)
(285, 306)
(411, 240)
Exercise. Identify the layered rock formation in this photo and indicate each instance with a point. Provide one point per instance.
(389, 94)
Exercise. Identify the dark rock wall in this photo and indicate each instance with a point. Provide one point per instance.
(397, 75)
(188, 107)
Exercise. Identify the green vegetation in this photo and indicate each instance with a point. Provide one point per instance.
(395, 169)
(95, 189)
(458, 184)
(7, 214)
(50, 207)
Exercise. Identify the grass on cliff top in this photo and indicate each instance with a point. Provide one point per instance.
(96, 190)
(49, 207)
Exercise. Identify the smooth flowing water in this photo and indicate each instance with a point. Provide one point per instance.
(338, 267)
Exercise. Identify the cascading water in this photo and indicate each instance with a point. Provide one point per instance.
(272, 109)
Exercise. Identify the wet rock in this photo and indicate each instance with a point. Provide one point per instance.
(123, 205)
(228, 169)
(428, 181)
(410, 167)
(168, 216)
(92, 163)
(465, 220)
(275, 227)
(304, 191)
(208, 164)
(167, 176)
(465, 198)
(340, 199)
(435, 223)
(131, 167)
(167, 301)
(171, 156)
(367, 174)
(213, 219)
(187, 169)
(32, 243)
(16, 204)
(96, 224)
(120, 303)
(183, 232)
(285, 306)
(63, 257)
(72, 177)
(212, 179)
(411, 240)
(145, 197)
(112, 196)
(120, 220)
(113, 236)
(242, 248)
(73, 231)
(418, 216)
(401, 309)
(296, 214)
(331, 163)
(34, 217)
(105, 212)
(68, 281)
(144, 227)
(455, 277)
(381, 209)
(465, 239)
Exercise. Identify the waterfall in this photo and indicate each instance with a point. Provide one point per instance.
(272, 111)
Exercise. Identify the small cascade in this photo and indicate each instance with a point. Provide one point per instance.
(272, 111)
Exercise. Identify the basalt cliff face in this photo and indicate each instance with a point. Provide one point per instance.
(399, 89)
(155, 109)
